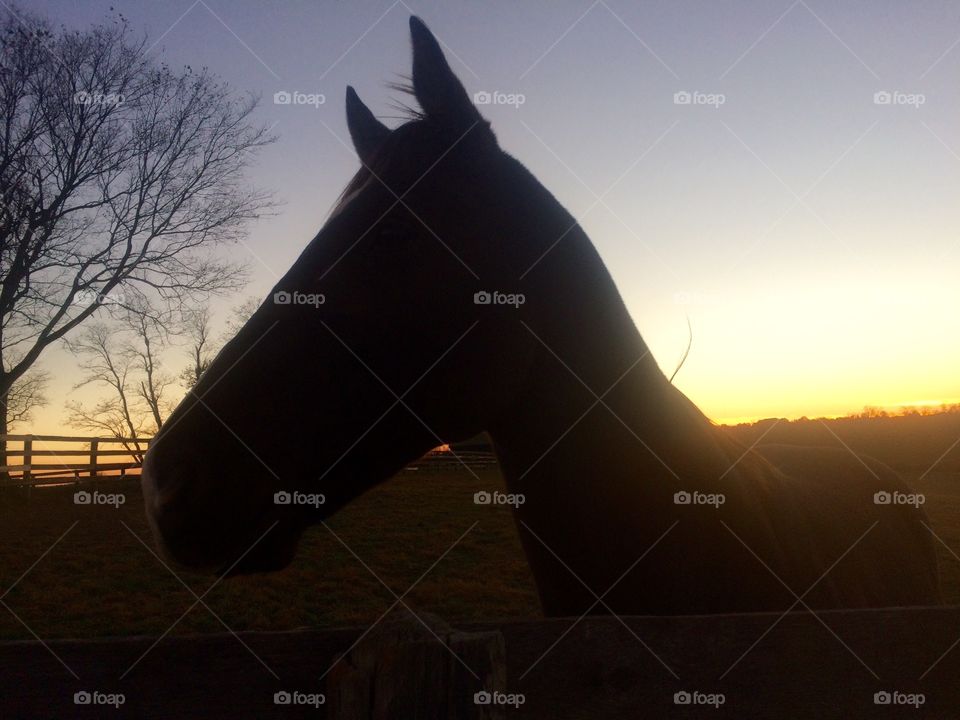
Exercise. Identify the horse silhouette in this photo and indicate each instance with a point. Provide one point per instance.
(449, 293)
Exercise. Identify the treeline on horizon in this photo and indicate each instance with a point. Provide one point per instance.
(910, 439)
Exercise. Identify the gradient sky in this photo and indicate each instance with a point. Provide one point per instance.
(811, 235)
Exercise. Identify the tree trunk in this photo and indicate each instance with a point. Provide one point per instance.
(4, 475)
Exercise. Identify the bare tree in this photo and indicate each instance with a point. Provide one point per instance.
(200, 341)
(239, 314)
(124, 356)
(26, 395)
(198, 332)
(119, 177)
(104, 363)
(149, 332)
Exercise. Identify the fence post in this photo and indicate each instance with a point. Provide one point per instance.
(94, 448)
(400, 670)
(27, 458)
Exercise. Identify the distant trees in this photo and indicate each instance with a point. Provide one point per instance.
(120, 179)
(918, 439)
(125, 357)
(201, 345)
(925, 410)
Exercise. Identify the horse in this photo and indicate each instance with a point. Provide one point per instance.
(449, 294)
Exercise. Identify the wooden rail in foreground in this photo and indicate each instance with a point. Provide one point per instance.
(838, 664)
(52, 467)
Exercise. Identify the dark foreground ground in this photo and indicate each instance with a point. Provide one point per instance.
(99, 581)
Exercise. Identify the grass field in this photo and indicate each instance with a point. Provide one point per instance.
(99, 580)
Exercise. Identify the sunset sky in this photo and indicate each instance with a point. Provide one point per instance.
(808, 229)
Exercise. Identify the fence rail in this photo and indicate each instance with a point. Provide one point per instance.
(55, 463)
(599, 670)
(51, 468)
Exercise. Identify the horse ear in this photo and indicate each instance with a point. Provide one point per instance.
(366, 131)
(437, 89)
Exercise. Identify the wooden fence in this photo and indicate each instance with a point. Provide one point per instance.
(453, 460)
(838, 664)
(49, 464)
(37, 465)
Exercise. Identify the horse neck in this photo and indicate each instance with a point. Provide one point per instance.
(640, 427)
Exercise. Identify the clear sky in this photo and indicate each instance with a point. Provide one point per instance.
(810, 230)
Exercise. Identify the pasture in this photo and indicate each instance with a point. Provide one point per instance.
(99, 580)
